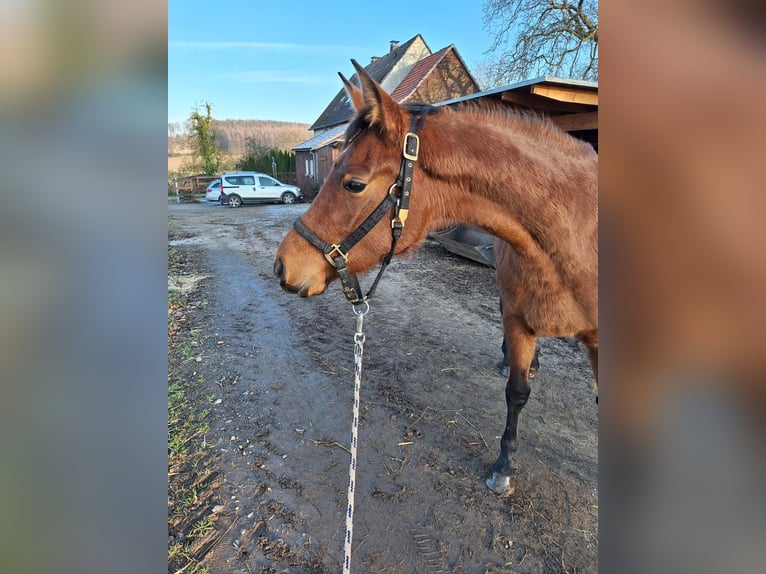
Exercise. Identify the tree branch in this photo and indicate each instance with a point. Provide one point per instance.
(552, 37)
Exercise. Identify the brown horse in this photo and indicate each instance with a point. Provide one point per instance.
(518, 177)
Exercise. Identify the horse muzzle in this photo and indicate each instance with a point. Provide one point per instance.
(279, 273)
(300, 270)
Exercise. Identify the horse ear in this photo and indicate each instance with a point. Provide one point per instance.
(353, 93)
(382, 109)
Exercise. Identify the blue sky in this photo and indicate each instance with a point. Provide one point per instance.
(279, 60)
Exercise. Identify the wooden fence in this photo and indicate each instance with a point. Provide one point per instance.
(190, 186)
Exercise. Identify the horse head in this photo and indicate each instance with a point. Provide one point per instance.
(365, 179)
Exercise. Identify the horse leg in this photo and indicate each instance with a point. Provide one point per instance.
(533, 368)
(590, 340)
(593, 356)
(505, 364)
(504, 347)
(521, 351)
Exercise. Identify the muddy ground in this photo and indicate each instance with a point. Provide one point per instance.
(276, 375)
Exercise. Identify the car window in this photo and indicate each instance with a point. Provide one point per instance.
(267, 181)
(240, 180)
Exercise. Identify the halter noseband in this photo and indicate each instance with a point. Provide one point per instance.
(337, 254)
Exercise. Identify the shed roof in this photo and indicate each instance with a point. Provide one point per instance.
(571, 104)
(322, 138)
(542, 91)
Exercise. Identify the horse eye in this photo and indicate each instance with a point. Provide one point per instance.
(354, 186)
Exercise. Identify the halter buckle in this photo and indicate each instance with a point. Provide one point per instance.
(400, 218)
(411, 146)
(335, 248)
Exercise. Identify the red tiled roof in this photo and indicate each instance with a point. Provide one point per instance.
(418, 73)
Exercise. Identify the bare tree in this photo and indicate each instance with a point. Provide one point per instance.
(176, 129)
(540, 38)
(257, 145)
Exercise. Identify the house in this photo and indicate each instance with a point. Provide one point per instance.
(409, 72)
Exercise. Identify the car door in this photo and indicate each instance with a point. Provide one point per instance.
(243, 186)
(269, 188)
(248, 187)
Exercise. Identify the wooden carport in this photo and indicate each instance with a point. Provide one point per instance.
(570, 104)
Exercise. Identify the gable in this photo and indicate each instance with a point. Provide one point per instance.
(416, 50)
(409, 72)
(440, 76)
(387, 70)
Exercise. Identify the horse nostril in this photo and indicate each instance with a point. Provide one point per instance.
(279, 269)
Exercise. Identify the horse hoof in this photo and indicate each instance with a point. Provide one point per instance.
(501, 484)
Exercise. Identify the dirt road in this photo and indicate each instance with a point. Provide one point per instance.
(278, 382)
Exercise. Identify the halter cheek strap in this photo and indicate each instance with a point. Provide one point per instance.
(410, 152)
(337, 254)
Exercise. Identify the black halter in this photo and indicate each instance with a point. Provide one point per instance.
(337, 254)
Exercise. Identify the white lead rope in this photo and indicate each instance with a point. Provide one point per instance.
(358, 352)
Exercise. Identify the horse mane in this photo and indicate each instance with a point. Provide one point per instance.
(524, 122)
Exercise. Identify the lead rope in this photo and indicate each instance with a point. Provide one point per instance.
(360, 311)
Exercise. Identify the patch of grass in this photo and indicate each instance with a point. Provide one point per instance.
(190, 520)
(173, 228)
(178, 554)
(185, 424)
(175, 259)
(202, 528)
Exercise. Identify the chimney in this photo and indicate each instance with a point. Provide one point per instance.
(394, 45)
(374, 58)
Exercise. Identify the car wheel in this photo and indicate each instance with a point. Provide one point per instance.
(288, 198)
(235, 201)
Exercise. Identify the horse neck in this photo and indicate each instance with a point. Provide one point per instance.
(509, 177)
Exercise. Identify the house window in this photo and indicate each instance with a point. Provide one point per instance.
(310, 167)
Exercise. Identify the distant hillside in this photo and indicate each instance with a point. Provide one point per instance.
(232, 136)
